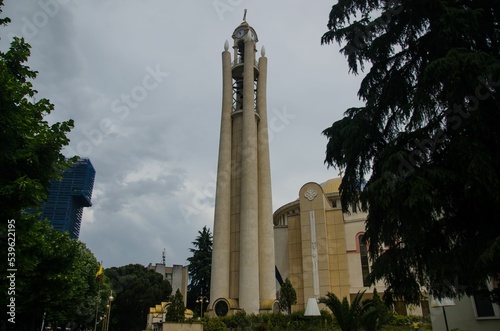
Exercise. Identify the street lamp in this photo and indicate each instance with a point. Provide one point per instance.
(105, 319)
(105, 325)
(101, 319)
(201, 299)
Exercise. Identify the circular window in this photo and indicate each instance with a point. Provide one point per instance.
(221, 308)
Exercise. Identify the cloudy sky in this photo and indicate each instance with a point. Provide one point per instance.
(142, 81)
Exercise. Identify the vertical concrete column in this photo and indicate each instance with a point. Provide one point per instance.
(249, 232)
(266, 234)
(219, 287)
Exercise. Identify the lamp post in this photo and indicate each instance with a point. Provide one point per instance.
(201, 299)
(105, 325)
(99, 320)
(104, 319)
(444, 302)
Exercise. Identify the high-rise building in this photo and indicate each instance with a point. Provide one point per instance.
(67, 197)
(243, 269)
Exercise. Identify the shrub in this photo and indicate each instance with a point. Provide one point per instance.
(400, 320)
(215, 324)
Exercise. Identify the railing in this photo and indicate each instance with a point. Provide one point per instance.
(239, 60)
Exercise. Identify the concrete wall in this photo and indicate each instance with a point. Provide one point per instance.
(182, 326)
(462, 316)
(177, 275)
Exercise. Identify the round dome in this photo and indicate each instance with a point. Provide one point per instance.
(331, 185)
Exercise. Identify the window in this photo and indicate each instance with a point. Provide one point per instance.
(333, 203)
(365, 268)
(354, 207)
(481, 300)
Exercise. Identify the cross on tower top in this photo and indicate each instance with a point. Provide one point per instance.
(245, 15)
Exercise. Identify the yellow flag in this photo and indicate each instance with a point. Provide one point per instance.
(99, 273)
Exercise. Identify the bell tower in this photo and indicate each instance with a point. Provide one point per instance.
(243, 267)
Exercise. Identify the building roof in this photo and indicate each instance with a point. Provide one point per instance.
(331, 185)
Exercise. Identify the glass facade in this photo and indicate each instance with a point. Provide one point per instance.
(67, 197)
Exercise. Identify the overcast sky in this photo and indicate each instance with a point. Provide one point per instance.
(142, 81)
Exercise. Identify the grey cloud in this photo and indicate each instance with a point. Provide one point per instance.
(93, 52)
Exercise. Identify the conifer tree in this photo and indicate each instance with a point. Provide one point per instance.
(423, 153)
(200, 268)
(176, 310)
(288, 296)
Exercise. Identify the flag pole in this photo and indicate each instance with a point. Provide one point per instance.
(99, 275)
(97, 306)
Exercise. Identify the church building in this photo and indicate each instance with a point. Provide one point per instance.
(320, 249)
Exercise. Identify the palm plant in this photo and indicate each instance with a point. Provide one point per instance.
(348, 316)
(375, 313)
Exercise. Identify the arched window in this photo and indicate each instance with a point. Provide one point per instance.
(363, 254)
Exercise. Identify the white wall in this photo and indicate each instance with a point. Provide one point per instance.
(461, 316)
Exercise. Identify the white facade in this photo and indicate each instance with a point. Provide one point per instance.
(468, 313)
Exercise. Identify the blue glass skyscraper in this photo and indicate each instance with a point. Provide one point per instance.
(67, 197)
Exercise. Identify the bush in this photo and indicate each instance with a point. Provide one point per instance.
(215, 324)
(400, 320)
(271, 322)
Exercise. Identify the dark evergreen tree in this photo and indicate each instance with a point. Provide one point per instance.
(423, 154)
(176, 310)
(200, 268)
(288, 296)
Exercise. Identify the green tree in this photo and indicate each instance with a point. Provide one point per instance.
(135, 290)
(200, 268)
(423, 154)
(288, 296)
(31, 147)
(376, 313)
(176, 310)
(348, 316)
(30, 157)
(52, 261)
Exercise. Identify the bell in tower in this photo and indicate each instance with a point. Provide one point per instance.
(243, 268)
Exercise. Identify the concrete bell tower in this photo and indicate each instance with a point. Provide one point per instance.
(243, 267)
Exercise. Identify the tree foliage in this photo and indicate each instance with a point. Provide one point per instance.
(215, 324)
(288, 296)
(423, 154)
(200, 268)
(52, 261)
(376, 313)
(31, 147)
(46, 260)
(348, 315)
(271, 322)
(135, 290)
(176, 310)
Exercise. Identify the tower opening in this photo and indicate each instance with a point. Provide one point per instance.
(238, 94)
(241, 52)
